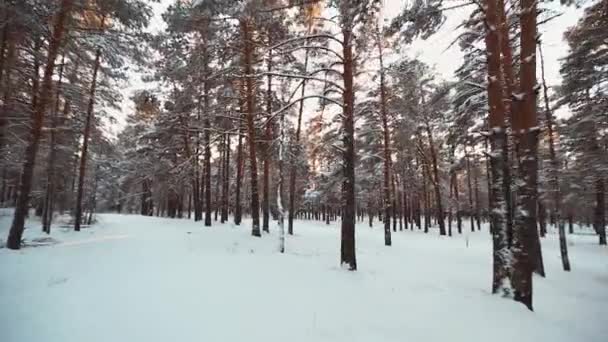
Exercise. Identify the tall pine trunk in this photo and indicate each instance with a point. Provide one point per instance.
(25, 184)
(347, 248)
(524, 123)
(250, 102)
(267, 149)
(386, 139)
(498, 141)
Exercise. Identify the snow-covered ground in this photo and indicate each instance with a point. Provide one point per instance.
(133, 278)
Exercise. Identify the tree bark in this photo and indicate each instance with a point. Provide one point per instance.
(85, 144)
(526, 246)
(268, 149)
(436, 181)
(293, 172)
(497, 156)
(17, 226)
(47, 215)
(554, 171)
(239, 171)
(347, 248)
(249, 100)
(386, 139)
(599, 220)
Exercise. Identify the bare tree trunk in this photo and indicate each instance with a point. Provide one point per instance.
(476, 188)
(526, 246)
(498, 141)
(599, 221)
(387, 201)
(207, 142)
(293, 172)
(347, 248)
(268, 149)
(85, 144)
(249, 99)
(280, 208)
(16, 231)
(470, 187)
(436, 181)
(554, 171)
(239, 172)
(47, 216)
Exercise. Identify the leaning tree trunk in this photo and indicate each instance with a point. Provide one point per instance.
(16, 231)
(85, 144)
(249, 100)
(526, 247)
(497, 156)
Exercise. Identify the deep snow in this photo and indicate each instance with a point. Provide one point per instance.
(134, 278)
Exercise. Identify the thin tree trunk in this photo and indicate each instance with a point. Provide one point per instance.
(268, 150)
(554, 171)
(250, 101)
(17, 226)
(239, 172)
(476, 192)
(436, 181)
(293, 172)
(207, 140)
(470, 187)
(387, 201)
(226, 180)
(281, 210)
(85, 144)
(47, 216)
(599, 221)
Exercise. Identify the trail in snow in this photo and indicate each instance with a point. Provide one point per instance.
(134, 278)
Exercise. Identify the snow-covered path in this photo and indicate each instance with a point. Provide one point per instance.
(133, 278)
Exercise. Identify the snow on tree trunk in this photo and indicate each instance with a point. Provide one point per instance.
(498, 156)
(526, 245)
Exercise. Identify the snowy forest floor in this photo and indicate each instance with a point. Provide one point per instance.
(134, 278)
